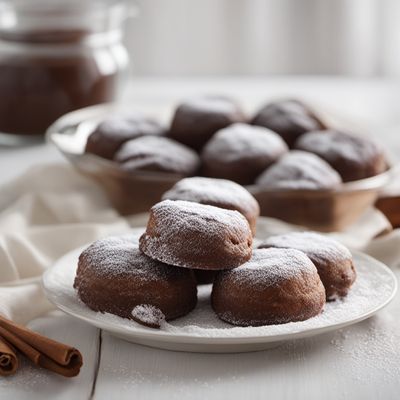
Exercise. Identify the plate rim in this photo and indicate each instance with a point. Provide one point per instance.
(185, 338)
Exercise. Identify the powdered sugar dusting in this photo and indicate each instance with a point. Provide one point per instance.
(299, 170)
(374, 287)
(128, 127)
(120, 255)
(184, 225)
(318, 247)
(239, 141)
(217, 192)
(157, 153)
(149, 315)
(331, 144)
(268, 267)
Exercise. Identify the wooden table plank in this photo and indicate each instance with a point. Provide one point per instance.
(34, 383)
(360, 362)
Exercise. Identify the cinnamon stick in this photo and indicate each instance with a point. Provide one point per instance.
(8, 358)
(42, 351)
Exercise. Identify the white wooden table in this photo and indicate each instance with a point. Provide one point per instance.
(359, 362)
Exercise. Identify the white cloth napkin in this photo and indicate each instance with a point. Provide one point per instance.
(51, 210)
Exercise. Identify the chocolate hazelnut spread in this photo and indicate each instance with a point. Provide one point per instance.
(46, 72)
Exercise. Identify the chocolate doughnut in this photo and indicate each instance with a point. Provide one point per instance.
(113, 276)
(275, 287)
(197, 236)
(241, 152)
(299, 170)
(334, 261)
(353, 157)
(112, 132)
(196, 120)
(219, 193)
(157, 154)
(288, 118)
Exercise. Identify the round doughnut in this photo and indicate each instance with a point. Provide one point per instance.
(334, 261)
(219, 193)
(241, 152)
(353, 157)
(275, 287)
(196, 120)
(299, 170)
(197, 236)
(159, 154)
(288, 118)
(113, 276)
(112, 132)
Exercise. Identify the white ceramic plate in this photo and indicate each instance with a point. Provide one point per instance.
(202, 331)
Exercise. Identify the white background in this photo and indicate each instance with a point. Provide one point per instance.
(264, 37)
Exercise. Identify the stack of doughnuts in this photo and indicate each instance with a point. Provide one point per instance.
(212, 136)
(202, 231)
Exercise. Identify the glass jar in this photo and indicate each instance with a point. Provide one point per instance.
(57, 56)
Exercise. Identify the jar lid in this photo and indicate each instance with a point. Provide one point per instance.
(60, 20)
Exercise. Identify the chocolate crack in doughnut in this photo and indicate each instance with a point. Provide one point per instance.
(153, 153)
(288, 118)
(219, 193)
(299, 170)
(334, 261)
(275, 287)
(196, 120)
(112, 132)
(113, 276)
(353, 157)
(198, 236)
(241, 152)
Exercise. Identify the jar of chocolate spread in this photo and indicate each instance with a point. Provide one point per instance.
(57, 56)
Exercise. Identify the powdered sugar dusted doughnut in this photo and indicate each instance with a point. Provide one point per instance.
(354, 157)
(288, 118)
(334, 261)
(299, 170)
(111, 133)
(196, 120)
(241, 152)
(275, 287)
(152, 153)
(114, 276)
(219, 193)
(198, 236)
